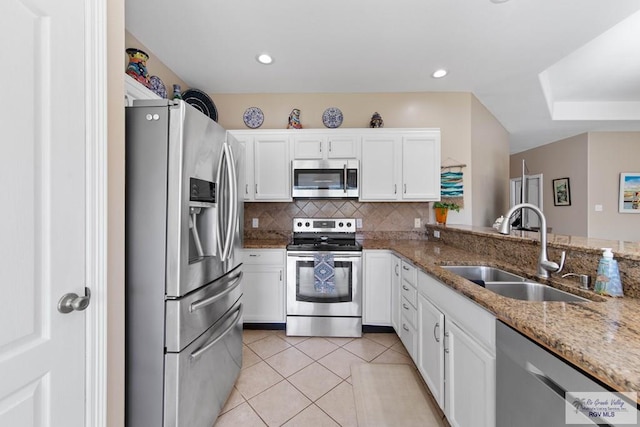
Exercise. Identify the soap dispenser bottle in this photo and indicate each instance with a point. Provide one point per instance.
(608, 275)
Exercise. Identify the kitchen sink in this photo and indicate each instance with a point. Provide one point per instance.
(511, 285)
(477, 273)
(532, 291)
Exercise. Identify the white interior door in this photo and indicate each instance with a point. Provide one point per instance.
(42, 215)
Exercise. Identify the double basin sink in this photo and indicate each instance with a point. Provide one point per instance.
(510, 285)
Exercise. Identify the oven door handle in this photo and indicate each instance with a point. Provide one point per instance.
(196, 354)
(208, 301)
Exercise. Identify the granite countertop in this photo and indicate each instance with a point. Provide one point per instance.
(602, 337)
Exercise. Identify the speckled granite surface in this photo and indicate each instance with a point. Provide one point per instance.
(602, 336)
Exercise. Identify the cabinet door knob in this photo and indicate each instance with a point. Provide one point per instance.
(405, 288)
(405, 327)
(405, 306)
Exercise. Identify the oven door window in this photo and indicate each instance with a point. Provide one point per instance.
(305, 283)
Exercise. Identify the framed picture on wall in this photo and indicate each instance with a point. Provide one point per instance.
(561, 192)
(629, 199)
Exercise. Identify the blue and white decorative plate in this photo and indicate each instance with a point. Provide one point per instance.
(332, 117)
(158, 86)
(253, 117)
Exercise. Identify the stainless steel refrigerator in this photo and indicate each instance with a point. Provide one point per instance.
(183, 279)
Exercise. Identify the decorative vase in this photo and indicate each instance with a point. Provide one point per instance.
(137, 67)
(376, 121)
(177, 92)
(294, 120)
(441, 215)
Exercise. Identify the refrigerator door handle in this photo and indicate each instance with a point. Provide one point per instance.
(196, 354)
(234, 200)
(207, 301)
(219, 230)
(231, 209)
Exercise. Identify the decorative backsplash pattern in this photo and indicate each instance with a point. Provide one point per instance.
(277, 218)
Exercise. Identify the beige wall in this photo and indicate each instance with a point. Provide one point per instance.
(489, 183)
(561, 159)
(611, 153)
(154, 65)
(115, 274)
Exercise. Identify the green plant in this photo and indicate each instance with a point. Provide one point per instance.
(447, 205)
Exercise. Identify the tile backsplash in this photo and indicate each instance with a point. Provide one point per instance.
(378, 219)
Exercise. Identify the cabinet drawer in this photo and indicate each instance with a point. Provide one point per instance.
(408, 337)
(409, 273)
(409, 312)
(263, 256)
(409, 292)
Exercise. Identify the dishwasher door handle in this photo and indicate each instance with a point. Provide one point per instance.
(557, 389)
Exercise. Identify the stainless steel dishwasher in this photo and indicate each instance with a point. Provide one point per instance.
(531, 384)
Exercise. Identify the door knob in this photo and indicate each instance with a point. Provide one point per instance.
(72, 302)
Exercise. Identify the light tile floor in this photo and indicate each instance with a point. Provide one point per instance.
(301, 381)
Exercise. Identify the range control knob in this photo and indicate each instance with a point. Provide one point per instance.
(340, 224)
(306, 224)
(349, 224)
(299, 224)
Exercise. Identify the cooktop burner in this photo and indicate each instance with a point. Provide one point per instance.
(324, 234)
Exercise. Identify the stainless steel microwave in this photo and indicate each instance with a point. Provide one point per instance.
(325, 179)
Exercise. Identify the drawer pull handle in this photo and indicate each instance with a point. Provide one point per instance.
(405, 327)
(404, 267)
(396, 270)
(437, 326)
(254, 255)
(405, 287)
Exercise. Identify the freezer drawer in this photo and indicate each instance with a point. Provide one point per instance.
(198, 380)
(188, 317)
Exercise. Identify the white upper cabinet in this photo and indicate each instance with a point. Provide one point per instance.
(325, 145)
(249, 187)
(267, 166)
(272, 168)
(379, 169)
(421, 166)
(403, 165)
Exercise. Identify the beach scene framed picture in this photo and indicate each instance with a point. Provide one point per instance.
(629, 199)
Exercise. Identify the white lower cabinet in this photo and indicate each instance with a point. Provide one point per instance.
(456, 353)
(264, 285)
(377, 288)
(430, 361)
(470, 375)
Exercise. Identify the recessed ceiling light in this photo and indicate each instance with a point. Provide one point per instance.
(438, 74)
(264, 58)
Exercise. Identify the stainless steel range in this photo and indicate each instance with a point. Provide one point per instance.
(324, 278)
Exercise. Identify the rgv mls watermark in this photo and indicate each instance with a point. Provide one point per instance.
(601, 407)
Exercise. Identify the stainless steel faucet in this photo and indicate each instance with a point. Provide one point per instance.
(544, 265)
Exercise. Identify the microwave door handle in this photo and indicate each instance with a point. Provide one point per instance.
(218, 229)
(345, 178)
